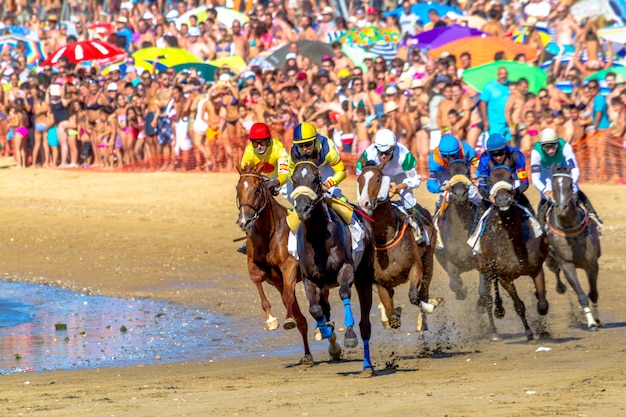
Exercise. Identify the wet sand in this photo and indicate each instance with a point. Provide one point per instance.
(168, 236)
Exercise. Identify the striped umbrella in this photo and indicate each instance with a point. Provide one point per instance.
(21, 31)
(34, 49)
(387, 51)
(98, 51)
(614, 34)
(482, 49)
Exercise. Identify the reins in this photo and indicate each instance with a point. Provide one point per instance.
(256, 209)
(567, 232)
(394, 241)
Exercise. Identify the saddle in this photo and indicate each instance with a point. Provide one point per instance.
(343, 209)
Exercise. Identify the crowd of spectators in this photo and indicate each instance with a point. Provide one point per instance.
(125, 116)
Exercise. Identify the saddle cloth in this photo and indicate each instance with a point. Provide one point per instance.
(346, 212)
(474, 240)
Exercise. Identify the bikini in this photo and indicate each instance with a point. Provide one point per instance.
(218, 48)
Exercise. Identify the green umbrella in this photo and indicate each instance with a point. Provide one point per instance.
(169, 56)
(479, 77)
(206, 71)
(600, 75)
(357, 55)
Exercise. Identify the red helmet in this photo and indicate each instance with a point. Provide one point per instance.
(260, 131)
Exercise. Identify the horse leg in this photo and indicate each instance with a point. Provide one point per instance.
(324, 328)
(258, 276)
(569, 270)
(364, 291)
(485, 303)
(289, 272)
(456, 283)
(345, 278)
(519, 306)
(592, 277)
(388, 313)
(553, 265)
(540, 287)
(498, 311)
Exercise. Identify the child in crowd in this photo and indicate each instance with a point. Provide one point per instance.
(361, 131)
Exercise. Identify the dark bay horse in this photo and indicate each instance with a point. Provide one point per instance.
(326, 259)
(455, 223)
(397, 256)
(264, 221)
(510, 249)
(574, 243)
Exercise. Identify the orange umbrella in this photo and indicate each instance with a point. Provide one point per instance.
(483, 48)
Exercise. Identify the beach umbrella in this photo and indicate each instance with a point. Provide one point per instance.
(206, 71)
(236, 63)
(228, 16)
(168, 56)
(554, 49)
(387, 51)
(20, 31)
(422, 9)
(521, 35)
(440, 36)
(483, 48)
(592, 9)
(34, 49)
(478, 77)
(314, 50)
(144, 65)
(369, 35)
(357, 55)
(261, 62)
(600, 75)
(615, 34)
(569, 56)
(82, 51)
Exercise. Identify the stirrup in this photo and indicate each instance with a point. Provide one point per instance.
(595, 218)
(243, 249)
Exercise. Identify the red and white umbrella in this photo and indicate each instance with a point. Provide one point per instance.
(101, 30)
(93, 50)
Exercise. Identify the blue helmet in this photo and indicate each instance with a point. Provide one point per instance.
(496, 142)
(449, 145)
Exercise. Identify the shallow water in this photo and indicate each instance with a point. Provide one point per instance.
(112, 332)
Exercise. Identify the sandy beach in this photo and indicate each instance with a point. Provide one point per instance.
(169, 236)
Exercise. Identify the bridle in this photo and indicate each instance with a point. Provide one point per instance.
(375, 201)
(257, 209)
(558, 229)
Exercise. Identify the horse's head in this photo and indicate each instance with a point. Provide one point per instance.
(459, 180)
(252, 195)
(562, 188)
(372, 187)
(307, 188)
(502, 187)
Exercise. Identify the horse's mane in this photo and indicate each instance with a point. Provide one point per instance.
(458, 167)
(249, 168)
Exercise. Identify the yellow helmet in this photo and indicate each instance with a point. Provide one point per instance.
(304, 132)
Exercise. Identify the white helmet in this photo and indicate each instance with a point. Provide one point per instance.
(385, 139)
(548, 136)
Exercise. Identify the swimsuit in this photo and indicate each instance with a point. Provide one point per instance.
(22, 131)
(40, 127)
(72, 132)
(53, 139)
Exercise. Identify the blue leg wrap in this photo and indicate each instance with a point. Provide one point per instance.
(367, 363)
(326, 331)
(349, 320)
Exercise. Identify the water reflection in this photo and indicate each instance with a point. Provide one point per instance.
(106, 332)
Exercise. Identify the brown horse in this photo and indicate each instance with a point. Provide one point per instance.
(397, 257)
(510, 249)
(574, 243)
(264, 221)
(327, 260)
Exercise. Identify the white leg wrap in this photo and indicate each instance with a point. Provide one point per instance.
(590, 321)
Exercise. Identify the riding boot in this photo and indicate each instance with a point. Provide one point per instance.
(522, 200)
(415, 221)
(243, 249)
(592, 212)
(542, 212)
(480, 210)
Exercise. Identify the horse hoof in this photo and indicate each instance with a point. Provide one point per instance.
(350, 342)
(560, 287)
(545, 335)
(599, 323)
(367, 372)
(386, 325)
(593, 328)
(499, 312)
(394, 322)
(271, 324)
(529, 336)
(435, 301)
(289, 324)
(307, 360)
(543, 307)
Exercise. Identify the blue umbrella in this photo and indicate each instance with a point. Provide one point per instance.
(21, 31)
(387, 51)
(422, 9)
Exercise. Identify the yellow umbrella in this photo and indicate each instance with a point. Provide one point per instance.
(235, 62)
(169, 57)
(146, 66)
(521, 35)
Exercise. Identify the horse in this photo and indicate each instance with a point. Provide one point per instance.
(397, 256)
(326, 261)
(574, 243)
(264, 221)
(455, 223)
(510, 249)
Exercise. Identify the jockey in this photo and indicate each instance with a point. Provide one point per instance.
(308, 145)
(450, 149)
(399, 166)
(500, 154)
(269, 152)
(549, 152)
